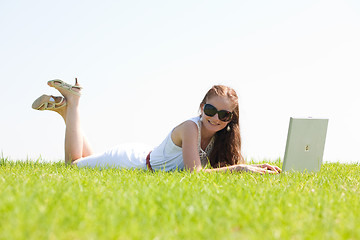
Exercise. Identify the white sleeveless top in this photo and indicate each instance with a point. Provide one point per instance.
(168, 156)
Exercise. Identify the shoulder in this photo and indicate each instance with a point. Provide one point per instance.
(187, 126)
(190, 124)
(185, 130)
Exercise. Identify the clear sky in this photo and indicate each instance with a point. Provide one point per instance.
(146, 65)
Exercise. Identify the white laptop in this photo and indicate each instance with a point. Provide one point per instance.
(305, 144)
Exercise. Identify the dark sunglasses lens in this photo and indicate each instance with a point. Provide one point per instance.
(210, 110)
(224, 115)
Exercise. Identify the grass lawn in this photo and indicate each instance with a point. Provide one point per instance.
(55, 201)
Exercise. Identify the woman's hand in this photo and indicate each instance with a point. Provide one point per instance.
(261, 168)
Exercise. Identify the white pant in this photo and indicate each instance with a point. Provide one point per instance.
(131, 156)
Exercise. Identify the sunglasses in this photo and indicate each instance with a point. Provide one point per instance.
(223, 115)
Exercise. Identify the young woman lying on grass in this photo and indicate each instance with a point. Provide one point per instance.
(211, 138)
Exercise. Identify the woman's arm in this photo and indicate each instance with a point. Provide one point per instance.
(186, 136)
(262, 169)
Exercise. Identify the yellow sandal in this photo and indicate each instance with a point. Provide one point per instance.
(65, 86)
(48, 102)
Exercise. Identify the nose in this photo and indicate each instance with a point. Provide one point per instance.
(216, 117)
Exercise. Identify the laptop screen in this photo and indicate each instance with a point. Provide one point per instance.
(305, 144)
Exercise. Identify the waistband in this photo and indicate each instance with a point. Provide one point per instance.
(148, 162)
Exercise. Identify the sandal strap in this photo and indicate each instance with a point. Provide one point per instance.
(65, 86)
(69, 86)
(62, 101)
(49, 105)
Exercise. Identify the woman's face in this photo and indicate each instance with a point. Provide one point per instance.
(214, 124)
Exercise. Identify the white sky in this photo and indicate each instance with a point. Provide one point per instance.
(146, 65)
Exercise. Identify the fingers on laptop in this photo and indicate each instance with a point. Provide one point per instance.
(270, 168)
(263, 169)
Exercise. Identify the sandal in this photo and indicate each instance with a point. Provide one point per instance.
(46, 102)
(65, 86)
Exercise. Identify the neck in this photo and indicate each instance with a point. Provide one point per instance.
(205, 134)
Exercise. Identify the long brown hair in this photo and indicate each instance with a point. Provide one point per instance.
(227, 145)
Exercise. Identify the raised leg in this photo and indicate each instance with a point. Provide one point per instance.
(86, 150)
(74, 139)
(76, 146)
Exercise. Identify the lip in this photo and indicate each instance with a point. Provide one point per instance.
(213, 123)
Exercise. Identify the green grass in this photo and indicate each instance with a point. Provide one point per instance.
(54, 201)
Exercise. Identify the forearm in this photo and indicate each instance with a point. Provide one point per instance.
(233, 168)
(262, 168)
